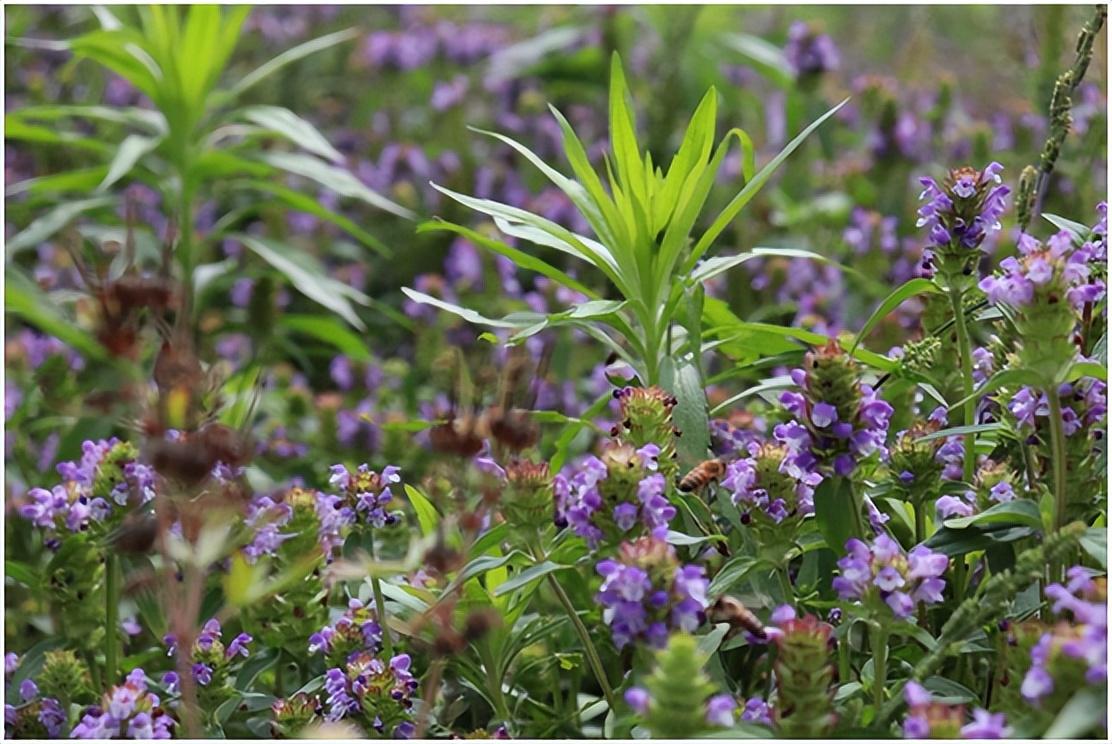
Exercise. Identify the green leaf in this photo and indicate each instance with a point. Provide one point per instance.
(732, 573)
(679, 538)
(81, 179)
(834, 512)
(1018, 512)
(427, 516)
(1079, 232)
(330, 331)
(291, 126)
(21, 573)
(768, 58)
(523, 578)
(336, 179)
(908, 289)
(950, 692)
(1081, 716)
(1005, 377)
(24, 299)
(710, 642)
(469, 315)
(304, 203)
(130, 152)
(290, 55)
(954, 431)
(782, 382)
(753, 186)
(1087, 369)
(50, 223)
(951, 542)
(520, 258)
(690, 413)
(307, 276)
(1095, 543)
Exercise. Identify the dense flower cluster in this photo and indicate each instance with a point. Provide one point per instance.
(613, 496)
(368, 491)
(993, 484)
(965, 209)
(35, 716)
(373, 692)
(1044, 274)
(810, 52)
(210, 657)
(768, 491)
(932, 719)
(128, 711)
(355, 631)
(1068, 647)
(294, 713)
(645, 593)
(883, 572)
(838, 420)
(265, 518)
(107, 476)
(1085, 404)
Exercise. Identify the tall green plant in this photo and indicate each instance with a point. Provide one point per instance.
(194, 139)
(643, 219)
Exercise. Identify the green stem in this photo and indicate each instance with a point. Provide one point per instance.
(1058, 463)
(593, 658)
(380, 607)
(111, 619)
(494, 682)
(880, 663)
(785, 582)
(920, 521)
(969, 407)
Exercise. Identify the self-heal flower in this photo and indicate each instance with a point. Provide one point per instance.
(376, 694)
(645, 593)
(127, 711)
(963, 210)
(615, 497)
(881, 574)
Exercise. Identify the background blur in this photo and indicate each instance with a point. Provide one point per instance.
(931, 88)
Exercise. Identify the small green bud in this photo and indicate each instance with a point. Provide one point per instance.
(65, 677)
(678, 689)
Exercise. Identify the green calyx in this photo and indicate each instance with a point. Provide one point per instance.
(678, 689)
(832, 378)
(65, 677)
(527, 500)
(804, 708)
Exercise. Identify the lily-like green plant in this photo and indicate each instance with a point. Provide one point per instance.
(643, 219)
(194, 139)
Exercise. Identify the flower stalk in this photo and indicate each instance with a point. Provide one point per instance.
(589, 649)
(111, 618)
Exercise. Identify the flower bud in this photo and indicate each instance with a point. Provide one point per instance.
(804, 706)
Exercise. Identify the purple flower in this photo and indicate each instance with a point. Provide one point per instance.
(964, 210)
(882, 570)
(595, 507)
(809, 52)
(638, 699)
(986, 725)
(720, 710)
(757, 711)
(238, 646)
(638, 610)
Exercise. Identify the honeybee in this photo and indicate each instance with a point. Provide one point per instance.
(123, 295)
(701, 475)
(464, 430)
(511, 426)
(737, 615)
